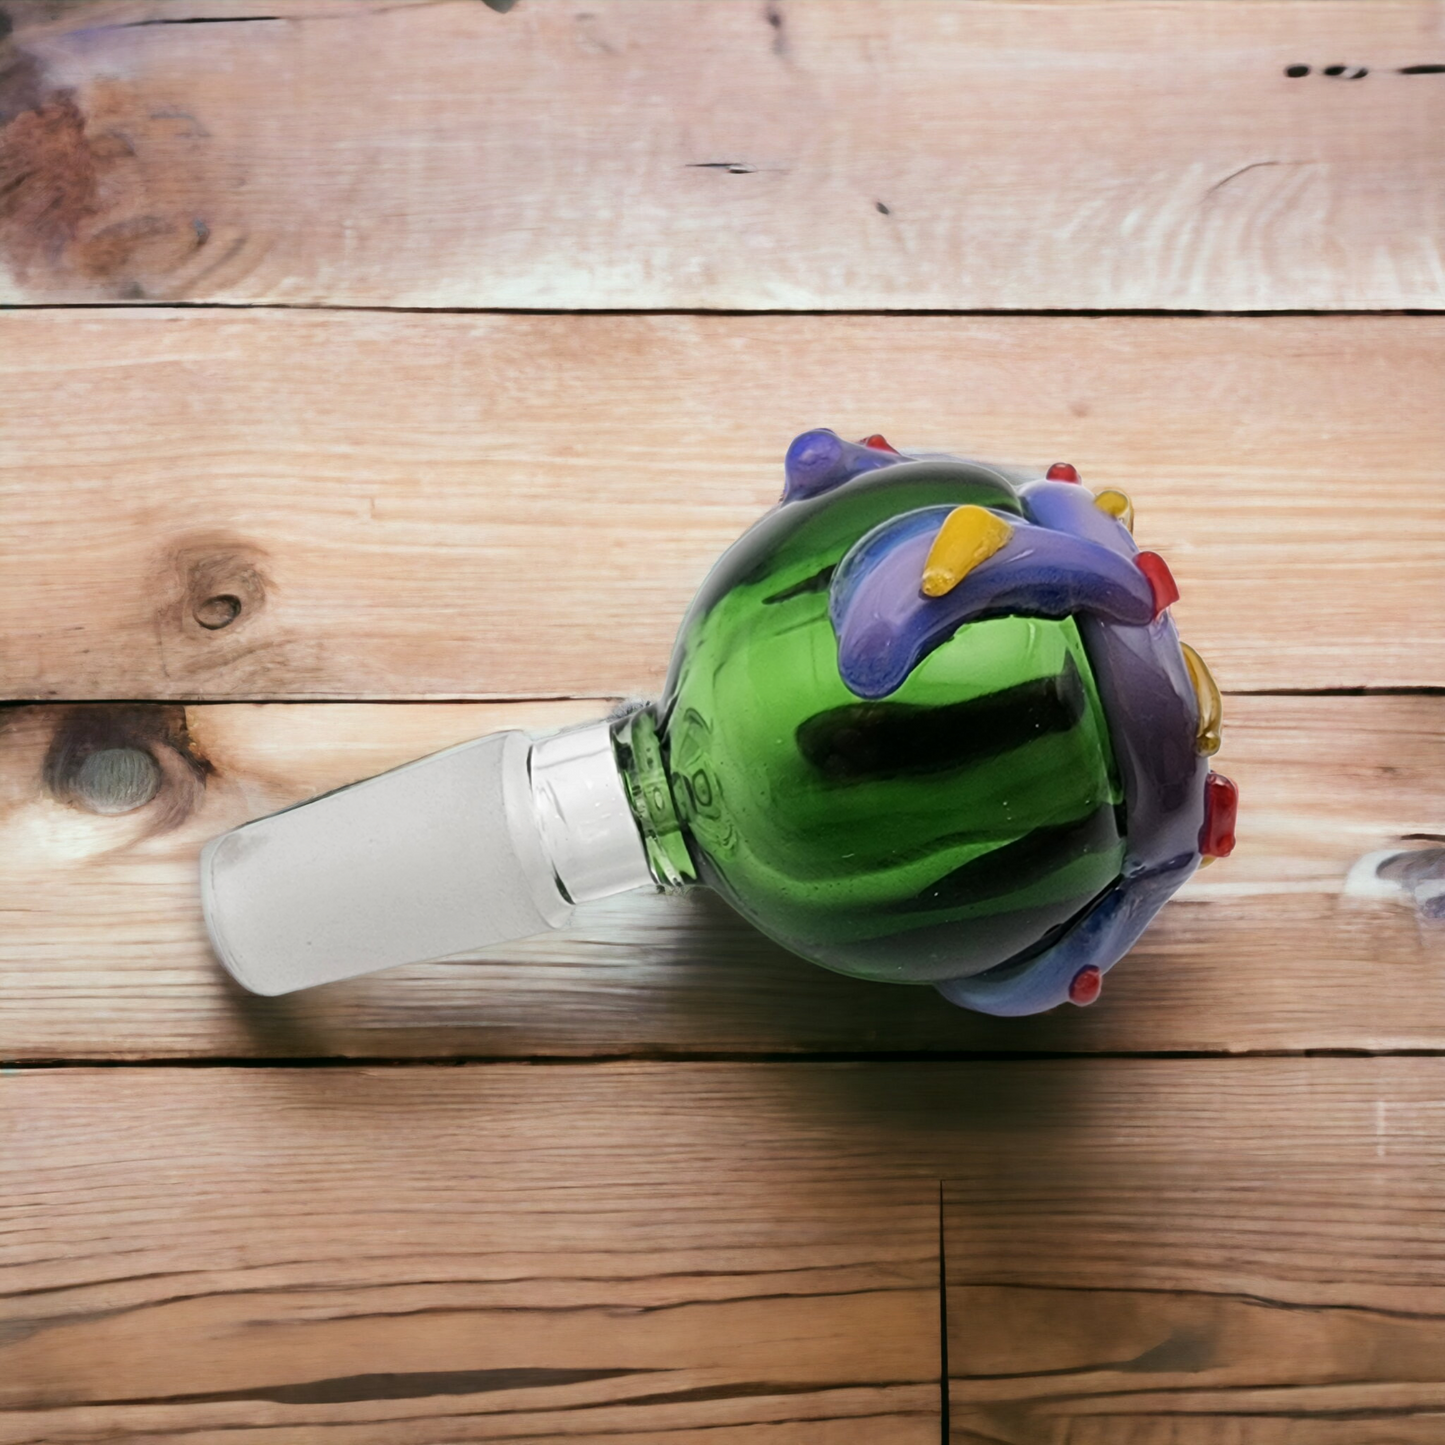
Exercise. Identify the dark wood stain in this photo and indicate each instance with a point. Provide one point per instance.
(198, 20)
(1184, 1352)
(773, 14)
(99, 189)
(408, 1385)
(156, 729)
(752, 1390)
(212, 586)
(48, 182)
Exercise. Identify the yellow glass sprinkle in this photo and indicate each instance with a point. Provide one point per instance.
(1211, 709)
(969, 535)
(1117, 505)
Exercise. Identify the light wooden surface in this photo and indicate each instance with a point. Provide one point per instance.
(1165, 1254)
(424, 506)
(291, 492)
(493, 1253)
(747, 1253)
(796, 154)
(103, 952)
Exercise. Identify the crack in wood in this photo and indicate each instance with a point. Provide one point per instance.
(347, 1389)
(945, 1428)
(197, 20)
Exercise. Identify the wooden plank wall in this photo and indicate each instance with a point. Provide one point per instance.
(1264, 954)
(306, 309)
(352, 479)
(943, 154)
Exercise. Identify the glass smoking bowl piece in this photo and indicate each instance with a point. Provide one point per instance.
(926, 722)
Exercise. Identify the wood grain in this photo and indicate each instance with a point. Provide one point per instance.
(651, 153)
(1255, 1259)
(509, 506)
(103, 952)
(651, 1252)
(662, 1237)
(402, 1257)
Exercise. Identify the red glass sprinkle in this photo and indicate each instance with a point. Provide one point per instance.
(1221, 803)
(1161, 580)
(879, 444)
(1088, 983)
(1063, 472)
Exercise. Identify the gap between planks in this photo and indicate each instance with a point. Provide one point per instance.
(680, 1057)
(1057, 313)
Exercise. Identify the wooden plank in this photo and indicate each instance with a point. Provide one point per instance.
(1255, 1259)
(646, 1252)
(404, 1257)
(410, 506)
(802, 156)
(103, 953)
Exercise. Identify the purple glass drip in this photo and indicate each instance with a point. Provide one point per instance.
(886, 626)
(1153, 715)
(1099, 939)
(1068, 507)
(817, 461)
(1071, 559)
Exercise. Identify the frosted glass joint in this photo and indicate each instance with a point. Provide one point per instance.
(587, 824)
